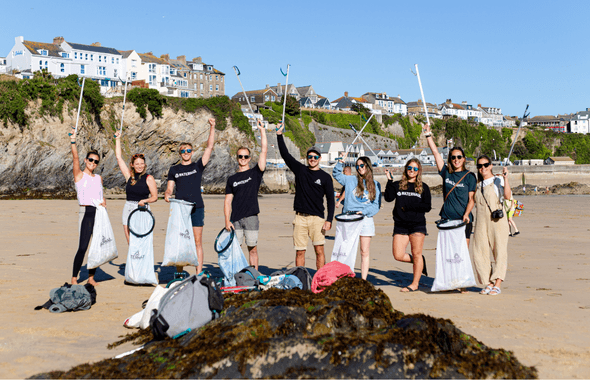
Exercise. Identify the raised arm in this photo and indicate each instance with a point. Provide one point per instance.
(430, 139)
(120, 161)
(76, 167)
(210, 142)
(291, 162)
(338, 168)
(263, 147)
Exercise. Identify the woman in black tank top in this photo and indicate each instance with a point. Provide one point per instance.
(141, 188)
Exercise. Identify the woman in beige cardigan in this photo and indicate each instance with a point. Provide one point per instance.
(491, 231)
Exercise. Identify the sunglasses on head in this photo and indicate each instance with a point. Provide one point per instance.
(93, 160)
(183, 151)
(458, 157)
(415, 168)
(360, 166)
(139, 155)
(312, 157)
(243, 156)
(479, 166)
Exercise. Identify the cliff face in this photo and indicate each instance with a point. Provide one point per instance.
(38, 157)
(325, 133)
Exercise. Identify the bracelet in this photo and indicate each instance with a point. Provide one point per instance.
(72, 142)
(428, 135)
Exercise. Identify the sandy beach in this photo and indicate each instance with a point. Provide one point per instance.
(541, 315)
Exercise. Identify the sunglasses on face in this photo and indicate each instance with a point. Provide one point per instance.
(245, 156)
(479, 166)
(183, 151)
(410, 168)
(456, 157)
(312, 157)
(93, 160)
(360, 166)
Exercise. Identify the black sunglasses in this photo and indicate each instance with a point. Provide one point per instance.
(243, 156)
(312, 157)
(360, 166)
(479, 166)
(456, 157)
(415, 168)
(183, 151)
(93, 160)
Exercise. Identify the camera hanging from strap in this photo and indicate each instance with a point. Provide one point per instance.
(499, 213)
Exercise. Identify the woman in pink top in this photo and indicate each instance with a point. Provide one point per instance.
(88, 189)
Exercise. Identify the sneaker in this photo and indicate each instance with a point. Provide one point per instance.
(180, 275)
(516, 233)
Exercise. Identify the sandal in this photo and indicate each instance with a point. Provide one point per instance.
(496, 291)
(487, 290)
(424, 270)
(407, 289)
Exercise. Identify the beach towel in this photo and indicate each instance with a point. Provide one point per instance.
(103, 247)
(329, 274)
(453, 265)
(180, 246)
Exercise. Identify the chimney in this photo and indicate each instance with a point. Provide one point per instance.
(399, 96)
(149, 53)
(268, 86)
(479, 105)
(448, 101)
(464, 102)
(19, 39)
(97, 44)
(197, 60)
(58, 40)
(182, 58)
(385, 95)
(346, 94)
(165, 56)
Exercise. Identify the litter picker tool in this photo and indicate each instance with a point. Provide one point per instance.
(124, 98)
(243, 91)
(417, 73)
(285, 92)
(79, 104)
(524, 116)
(358, 135)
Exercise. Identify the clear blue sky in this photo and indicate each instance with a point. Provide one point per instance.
(495, 53)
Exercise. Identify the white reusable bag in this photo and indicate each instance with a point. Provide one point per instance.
(139, 268)
(230, 254)
(141, 319)
(103, 247)
(346, 241)
(180, 246)
(453, 264)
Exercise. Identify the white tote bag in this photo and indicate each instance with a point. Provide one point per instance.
(453, 265)
(103, 247)
(346, 242)
(230, 255)
(139, 268)
(180, 246)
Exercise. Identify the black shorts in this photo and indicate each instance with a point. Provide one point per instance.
(198, 217)
(401, 229)
(468, 229)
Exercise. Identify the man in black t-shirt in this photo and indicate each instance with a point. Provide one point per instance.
(187, 178)
(241, 198)
(311, 186)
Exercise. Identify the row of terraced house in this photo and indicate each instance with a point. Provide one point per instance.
(111, 67)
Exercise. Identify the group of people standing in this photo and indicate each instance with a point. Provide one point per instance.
(361, 195)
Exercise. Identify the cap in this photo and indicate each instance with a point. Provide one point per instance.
(314, 149)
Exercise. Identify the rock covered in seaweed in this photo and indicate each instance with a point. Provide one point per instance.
(348, 331)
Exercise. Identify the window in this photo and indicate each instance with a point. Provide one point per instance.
(152, 79)
(82, 71)
(115, 73)
(113, 60)
(117, 61)
(266, 98)
(43, 52)
(65, 55)
(45, 64)
(62, 68)
(102, 70)
(75, 55)
(86, 56)
(185, 75)
(133, 62)
(201, 86)
(272, 97)
(104, 83)
(100, 58)
(92, 57)
(217, 77)
(217, 88)
(252, 99)
(133, 75)
(40, 65)
(210, 87)
(184, 94)
(222, 79)
(152, 67)
(210, 77)
(113, 83)
(201, 76)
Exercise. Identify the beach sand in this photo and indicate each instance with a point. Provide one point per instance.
(542, 314)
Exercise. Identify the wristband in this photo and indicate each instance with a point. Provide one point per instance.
(428, 135)
(72, 142)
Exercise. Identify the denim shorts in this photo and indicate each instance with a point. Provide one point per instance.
(198, 217)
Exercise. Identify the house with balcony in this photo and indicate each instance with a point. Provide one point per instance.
(417, 108)
(491, 116)
(388, 105)
(291, 90)
(308, 92)
(549, 122)
(29, 56)
(450, 109)
(257, 98)
(580, 122)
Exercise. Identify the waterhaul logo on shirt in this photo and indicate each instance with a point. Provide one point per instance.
(105, 241)
(318, 182)
(242, 182)
(185, 174)
(409, 194)
(452, 183)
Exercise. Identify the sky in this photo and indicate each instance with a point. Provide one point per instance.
(504, 54)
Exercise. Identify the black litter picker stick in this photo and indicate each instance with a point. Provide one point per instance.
(524, 116)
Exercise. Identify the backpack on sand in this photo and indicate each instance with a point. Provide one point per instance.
(300, 273)
(70, 298)
(247, 277)
(189, 305)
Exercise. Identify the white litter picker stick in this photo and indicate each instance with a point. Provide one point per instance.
(285, 93)
(359, 133)
(417, 73)
(243, 91)
(79, 105)
(124, 98)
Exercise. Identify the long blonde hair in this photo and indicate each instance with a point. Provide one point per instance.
(132, 169)
(368, 177)
(403, 184)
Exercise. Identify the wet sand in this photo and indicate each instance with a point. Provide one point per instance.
(542, 314)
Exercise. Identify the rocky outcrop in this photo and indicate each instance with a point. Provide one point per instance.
(37, 159)
(325, 133)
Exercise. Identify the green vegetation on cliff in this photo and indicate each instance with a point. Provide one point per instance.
(300, 135)
(53, 93)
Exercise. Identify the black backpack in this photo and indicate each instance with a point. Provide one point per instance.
(300, 272)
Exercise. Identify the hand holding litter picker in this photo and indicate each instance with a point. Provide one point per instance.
(280, 128)
(417, 73)
(285, 92)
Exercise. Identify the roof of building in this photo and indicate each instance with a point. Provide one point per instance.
(255, 92)
(322, 102)
(150, 58)
(561, 159)
(305, 100)
(418, 103)
(34, 47)
(96, 49)
(452, 105)
(303, 90)
(416, 151)
(125, 53)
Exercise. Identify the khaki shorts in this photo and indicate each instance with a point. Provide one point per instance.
(309, 226)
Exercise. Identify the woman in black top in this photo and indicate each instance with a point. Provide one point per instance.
(141, 188)
(412, 202)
